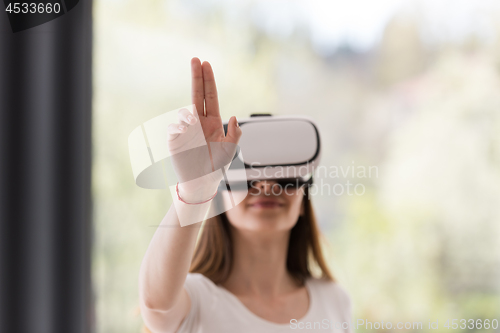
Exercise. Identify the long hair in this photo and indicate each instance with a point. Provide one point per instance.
(213, 255)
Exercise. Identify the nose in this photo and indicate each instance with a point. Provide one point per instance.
(266, 186)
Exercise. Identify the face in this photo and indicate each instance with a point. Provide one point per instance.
(267, 207)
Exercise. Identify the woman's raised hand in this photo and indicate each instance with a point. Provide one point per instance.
(187, 134)
(164, 302)
(204, 93)
(204, 98)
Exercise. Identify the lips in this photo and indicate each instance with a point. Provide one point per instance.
(266, 203)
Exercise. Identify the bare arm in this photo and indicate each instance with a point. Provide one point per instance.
(164, 302)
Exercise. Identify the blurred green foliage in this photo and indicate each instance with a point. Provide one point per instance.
(421, 243)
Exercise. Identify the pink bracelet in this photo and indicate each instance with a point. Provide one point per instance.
(190, 203)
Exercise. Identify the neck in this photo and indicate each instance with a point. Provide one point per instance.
(259, 264)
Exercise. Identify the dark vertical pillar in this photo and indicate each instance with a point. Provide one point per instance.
(45, 159)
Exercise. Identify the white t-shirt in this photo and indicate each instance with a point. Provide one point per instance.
(216, 310)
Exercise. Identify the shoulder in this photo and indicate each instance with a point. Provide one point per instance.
(200, 289)
(202, 294)
(198, 278)
(200, 283)
(331, 291)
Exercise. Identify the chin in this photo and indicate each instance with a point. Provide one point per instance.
(264, 222)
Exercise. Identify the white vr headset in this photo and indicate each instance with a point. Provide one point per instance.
(276, 147)
(271, 147)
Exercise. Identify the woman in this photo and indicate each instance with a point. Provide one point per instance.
(251, 270)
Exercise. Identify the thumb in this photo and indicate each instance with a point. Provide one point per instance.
(233, 131)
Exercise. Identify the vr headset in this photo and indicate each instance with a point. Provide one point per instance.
(285, 149)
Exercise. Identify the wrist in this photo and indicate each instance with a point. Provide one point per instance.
(197, 192)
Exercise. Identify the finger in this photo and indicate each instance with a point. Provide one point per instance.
(174, 130)
(211, 99)
(197, 91)
(233, 131)
(187, 117)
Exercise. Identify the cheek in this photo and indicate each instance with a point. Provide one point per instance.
(228, 198)
(295, 202)
(233, 213)
(295, 207)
